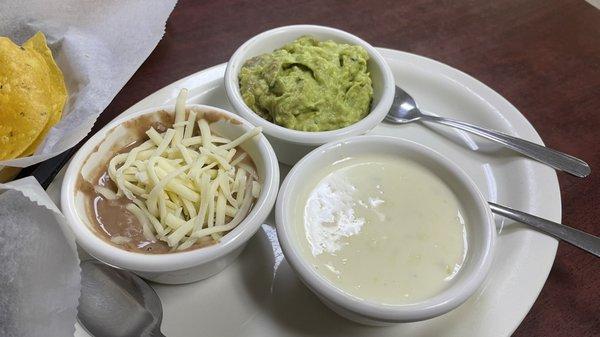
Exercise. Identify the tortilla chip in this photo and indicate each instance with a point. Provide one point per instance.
(8, 173)
(32, 95)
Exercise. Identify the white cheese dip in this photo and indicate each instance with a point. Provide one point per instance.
(383, 228)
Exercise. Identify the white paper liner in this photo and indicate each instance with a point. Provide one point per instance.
(97, 44)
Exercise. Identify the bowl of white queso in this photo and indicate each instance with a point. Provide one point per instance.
(384, 230)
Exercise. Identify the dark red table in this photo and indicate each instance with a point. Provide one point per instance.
(542, 55)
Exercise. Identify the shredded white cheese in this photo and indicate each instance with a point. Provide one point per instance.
(185, 183)
(119, 240)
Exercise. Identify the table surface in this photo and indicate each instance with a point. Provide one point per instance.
(541, 55)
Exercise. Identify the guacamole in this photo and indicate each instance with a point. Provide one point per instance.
(309, 85)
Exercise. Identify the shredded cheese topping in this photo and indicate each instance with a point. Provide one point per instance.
(182, 186)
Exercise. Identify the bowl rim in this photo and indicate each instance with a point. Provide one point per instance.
(375, 116)
(110, 254)
(437, 305)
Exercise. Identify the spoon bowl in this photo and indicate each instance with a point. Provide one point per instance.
(404, 109)
(117, 303)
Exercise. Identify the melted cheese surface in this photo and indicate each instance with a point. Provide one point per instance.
(384, 229)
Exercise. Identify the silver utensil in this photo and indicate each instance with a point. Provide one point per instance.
(117, 303)
(577, 238)
(404, 110)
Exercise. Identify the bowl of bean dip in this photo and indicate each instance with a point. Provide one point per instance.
(172, 193)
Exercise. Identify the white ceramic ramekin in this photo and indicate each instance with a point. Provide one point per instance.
(181, 267)
(291, 145)
(481, 232)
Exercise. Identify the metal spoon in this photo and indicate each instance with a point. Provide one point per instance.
(404, 110)
(577, 238)
(116, 303)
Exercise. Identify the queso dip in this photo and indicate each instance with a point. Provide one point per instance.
(383, 228)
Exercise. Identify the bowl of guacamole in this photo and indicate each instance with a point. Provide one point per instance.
(307, 85)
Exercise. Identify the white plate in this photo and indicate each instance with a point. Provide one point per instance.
(260, 296)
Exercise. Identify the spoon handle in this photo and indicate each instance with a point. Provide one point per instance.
(577, 238)
(556, 159)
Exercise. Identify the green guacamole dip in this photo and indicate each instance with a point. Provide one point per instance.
(309, 85)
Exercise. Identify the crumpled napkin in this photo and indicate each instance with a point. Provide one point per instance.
(40, 276)
(97, 44)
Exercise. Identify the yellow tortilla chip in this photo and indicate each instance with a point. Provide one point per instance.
(32, 95)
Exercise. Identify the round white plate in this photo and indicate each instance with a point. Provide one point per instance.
(259, 294)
